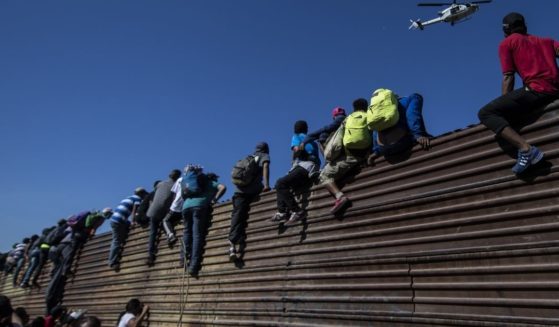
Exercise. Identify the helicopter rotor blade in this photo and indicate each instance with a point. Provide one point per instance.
(481, 1)
(434, 4)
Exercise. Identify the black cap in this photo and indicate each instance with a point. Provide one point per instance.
(262, 147)
(513, 19)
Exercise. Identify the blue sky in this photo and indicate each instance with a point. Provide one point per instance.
(99, 97)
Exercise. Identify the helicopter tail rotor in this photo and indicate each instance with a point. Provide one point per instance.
(416, 25)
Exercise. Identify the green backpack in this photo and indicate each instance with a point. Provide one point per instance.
(383, 110)
(356, 134)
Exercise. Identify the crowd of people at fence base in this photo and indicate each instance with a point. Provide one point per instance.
(386, 126)
(59, 316)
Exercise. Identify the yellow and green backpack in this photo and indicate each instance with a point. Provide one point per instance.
(383, 110)
(357, 135)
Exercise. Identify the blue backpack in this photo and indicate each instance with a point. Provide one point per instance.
(193, 183)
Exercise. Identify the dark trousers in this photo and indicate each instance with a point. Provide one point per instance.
(55, 289)
(195, 221)
(120, 234)
(154, 226)
(512, 107)
(239, 216)
(297, 177)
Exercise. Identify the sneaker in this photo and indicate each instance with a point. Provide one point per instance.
(526, 159)
(232, 253)
(339, 204)
(295, 217)
(172, 240)
(279, 217)
(24, 285)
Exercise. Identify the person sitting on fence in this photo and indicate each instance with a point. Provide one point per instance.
(534, 59)
(158, 210)
(120, 225)
(200, 192)
(357, 142)
(305, 165)
(250, 176)
(134, 314)
(408, 130)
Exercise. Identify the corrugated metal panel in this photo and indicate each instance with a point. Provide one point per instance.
(448, 237)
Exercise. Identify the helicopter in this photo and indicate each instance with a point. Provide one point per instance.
(455, 13)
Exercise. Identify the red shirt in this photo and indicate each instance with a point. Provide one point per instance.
(534, 59)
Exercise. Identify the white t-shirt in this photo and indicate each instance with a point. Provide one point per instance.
(125, 319)
(176, 206)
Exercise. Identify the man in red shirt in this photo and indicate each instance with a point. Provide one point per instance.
(534, 59)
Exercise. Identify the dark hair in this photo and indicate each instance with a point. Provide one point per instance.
(175, 174)
(34, 237)
(25, 240)
(46, 231)
(22, 314)
(6, 309)
(301, 127)
(212, 177)
(38, 322)
(61, 222)
(134, 306)
(514, 23)
(360, 104)
(89, 321)
(155, 183)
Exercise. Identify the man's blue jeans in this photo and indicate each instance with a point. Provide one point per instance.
(19, 265)
(120, 234)
(195, 221)
(34, 260)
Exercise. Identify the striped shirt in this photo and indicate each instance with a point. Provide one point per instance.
(124, 209)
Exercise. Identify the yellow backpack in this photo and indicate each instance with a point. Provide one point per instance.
(356, 134)
(383, 110)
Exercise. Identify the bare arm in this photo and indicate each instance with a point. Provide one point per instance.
(266, 175)
(134, 322)
(508, 83)
(220, 191)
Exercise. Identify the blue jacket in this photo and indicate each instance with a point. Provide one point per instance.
(410, 110)
(322, 134)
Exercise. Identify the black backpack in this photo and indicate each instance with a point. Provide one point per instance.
(57, 234)
(245, 170)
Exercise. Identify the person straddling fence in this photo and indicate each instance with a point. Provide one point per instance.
(534, 59)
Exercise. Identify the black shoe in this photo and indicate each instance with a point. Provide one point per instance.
(192, 272)
(24, 285)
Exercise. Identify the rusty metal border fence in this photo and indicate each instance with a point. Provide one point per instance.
(448, 237)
